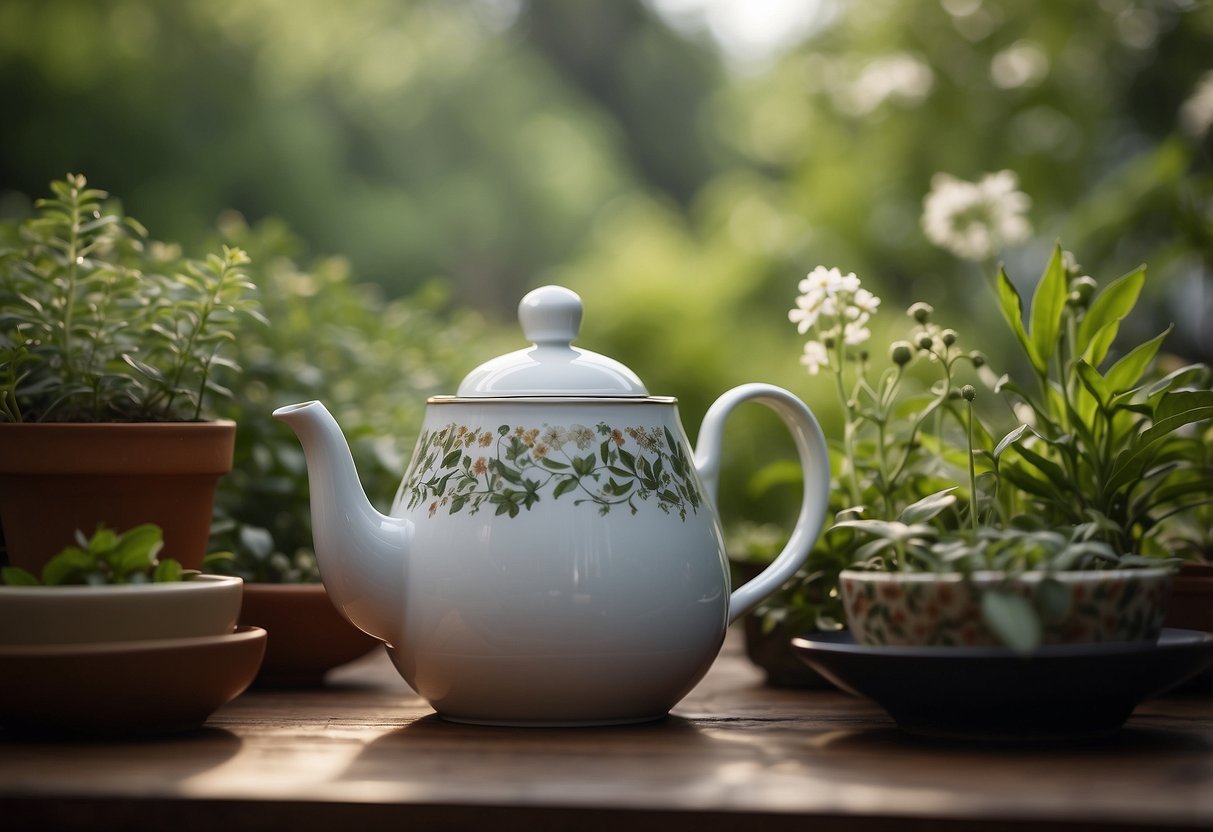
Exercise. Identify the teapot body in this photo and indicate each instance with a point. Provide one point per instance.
(566, 567)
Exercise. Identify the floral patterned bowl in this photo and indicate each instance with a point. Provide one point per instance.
(923, 608)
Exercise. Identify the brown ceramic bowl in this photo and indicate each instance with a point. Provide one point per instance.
(129, 687)
(307, 636)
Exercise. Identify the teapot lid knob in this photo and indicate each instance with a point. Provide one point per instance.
(550, 315)
(551, 320)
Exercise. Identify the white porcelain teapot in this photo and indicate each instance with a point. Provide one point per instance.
(553, 555)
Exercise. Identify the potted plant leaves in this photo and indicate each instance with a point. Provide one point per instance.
(1056, 529)
(111, 346)
(155, 645)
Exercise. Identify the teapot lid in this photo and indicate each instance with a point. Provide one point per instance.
(551, 318)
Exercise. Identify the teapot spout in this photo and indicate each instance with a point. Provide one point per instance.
(361, 553)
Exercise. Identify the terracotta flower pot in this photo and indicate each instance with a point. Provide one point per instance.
(307, 635)
(57, 478)
(1191, 608)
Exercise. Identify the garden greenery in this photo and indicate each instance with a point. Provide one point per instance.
(372, 361)
(108, 557)
(99, 324)
(1104, 459)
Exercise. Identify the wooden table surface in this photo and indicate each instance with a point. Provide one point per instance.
(366, 753)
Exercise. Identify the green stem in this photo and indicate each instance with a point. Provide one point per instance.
(848, 435)
(69, 302)
(972, 477)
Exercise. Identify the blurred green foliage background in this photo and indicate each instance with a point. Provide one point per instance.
(402, 172)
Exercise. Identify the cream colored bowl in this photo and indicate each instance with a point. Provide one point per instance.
(206, 605)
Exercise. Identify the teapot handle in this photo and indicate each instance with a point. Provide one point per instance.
(814, 459)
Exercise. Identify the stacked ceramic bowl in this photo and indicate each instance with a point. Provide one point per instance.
(126, 659)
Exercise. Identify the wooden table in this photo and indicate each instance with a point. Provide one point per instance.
(366, 753)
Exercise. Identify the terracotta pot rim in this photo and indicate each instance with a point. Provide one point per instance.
(157, 425)
(71, 449)
(160, 645)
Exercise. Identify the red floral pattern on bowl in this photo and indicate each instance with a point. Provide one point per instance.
(922, 608)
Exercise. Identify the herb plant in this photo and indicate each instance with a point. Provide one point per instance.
(107, 557)
(1102, 458)
(97, 323)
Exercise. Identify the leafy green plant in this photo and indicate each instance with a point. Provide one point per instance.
(97, 323)
(1106, 455)
(108, 557)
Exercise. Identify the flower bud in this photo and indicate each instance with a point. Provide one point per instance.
(920, 312)
(902, 352)
(864, 355)
(1082, 289)
(978, 358)
(949, 337)
(968, 392)
(925, 342)
(828, 342)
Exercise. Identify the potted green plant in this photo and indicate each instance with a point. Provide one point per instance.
(111, 346)
(155, 645)
(1085, 483)
(112, 587)
(1011, 582)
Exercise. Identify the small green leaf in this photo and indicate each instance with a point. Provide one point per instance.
(928, 507)
(1053, 600)
(1094, 382)
(1126, 372)
(68, 566)
(1048, 307)
(1012, 619)
(167, 570)
(564, 487)
(16, 576)
(1008, 440)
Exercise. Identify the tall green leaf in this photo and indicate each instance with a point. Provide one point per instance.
(1099, 326)
(1048, 307)
(1126, 372)
(1012, 309)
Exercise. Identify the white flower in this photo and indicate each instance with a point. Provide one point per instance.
(824, 280)
(808, 309)
(855, 332)
(1196, 114)
(973, 220)
(865, 301)
(815, 357)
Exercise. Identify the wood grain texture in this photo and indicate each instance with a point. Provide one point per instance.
(367, 753)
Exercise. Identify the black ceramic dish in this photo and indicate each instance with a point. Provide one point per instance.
(1060, 692)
